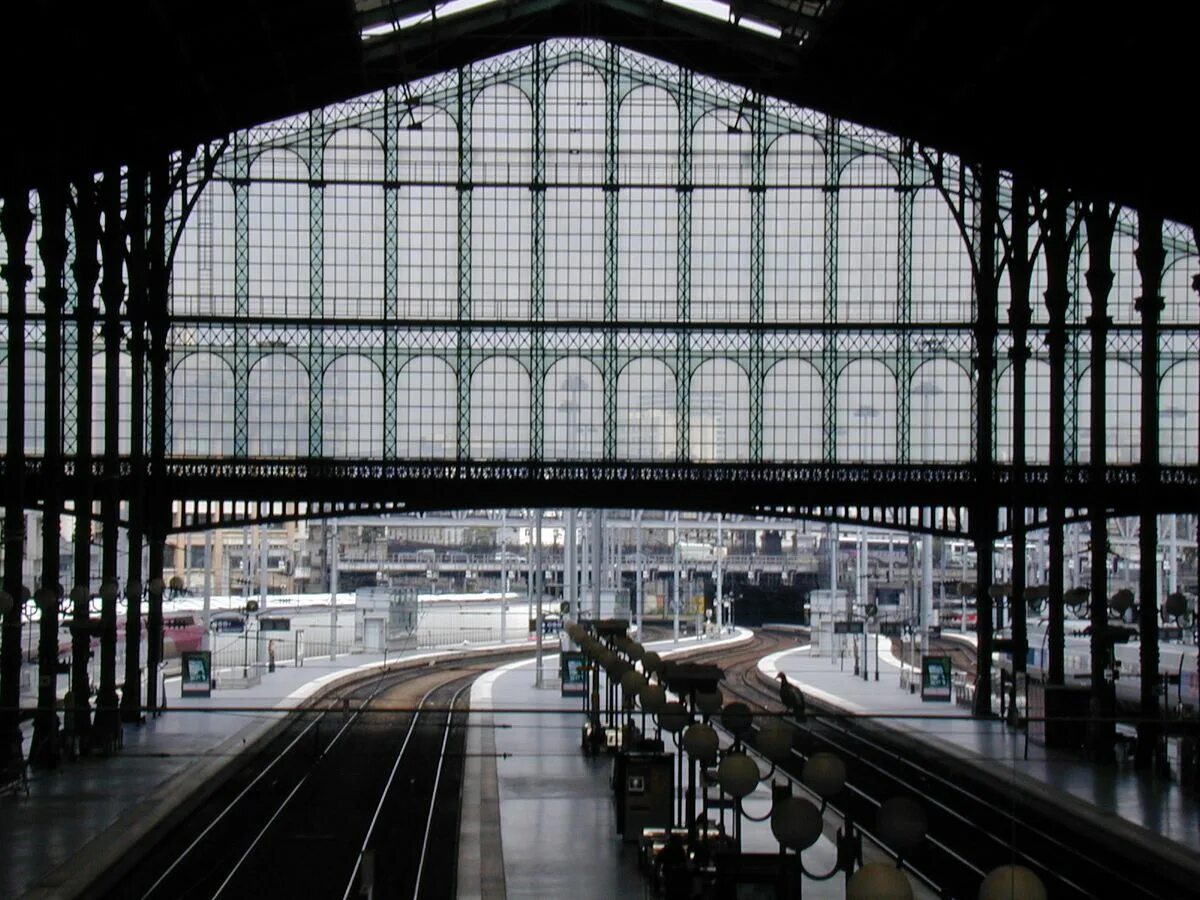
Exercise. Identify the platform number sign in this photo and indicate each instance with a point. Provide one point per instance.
(936, 682)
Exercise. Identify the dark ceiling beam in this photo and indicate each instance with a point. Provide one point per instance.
(1058, 92)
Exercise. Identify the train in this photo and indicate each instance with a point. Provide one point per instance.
(1179, 678)
(182, 632)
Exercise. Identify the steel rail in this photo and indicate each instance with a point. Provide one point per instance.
(436, 782)
(303, 779)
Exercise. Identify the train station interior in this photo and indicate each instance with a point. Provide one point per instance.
(599, 448)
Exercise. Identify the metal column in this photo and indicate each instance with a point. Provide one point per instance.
(1020, 313)
(86, 270)
(1150, 259)
(135, 226)
(16, 220)
(44, 750)
(1100, 221)
(158, 508)
(1058, 239)
(983, 512)
(112, 293)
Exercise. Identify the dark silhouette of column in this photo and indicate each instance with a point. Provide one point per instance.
(1100, 222)
(1150, 259)
(112, 293)
(135, 227)
(16, 220)
(157, 508)
(983, 511)
(1057, 240)
(1020, 273)
(86, 269)
(52, 244)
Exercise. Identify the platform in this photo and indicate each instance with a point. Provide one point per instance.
(538, 816)
(1141, 806)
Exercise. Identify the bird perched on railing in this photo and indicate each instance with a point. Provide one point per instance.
(791, 696)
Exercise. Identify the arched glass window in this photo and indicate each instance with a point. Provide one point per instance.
(794, 238)
(500, 410)
(427, 210)
(202, 406)
(352, 401)
(278, 413)
(1179, 414)
(940, 413)
(721, 147)
(648, 206)
(1122, 413)
(353, 227)
(868, 241)
(941, 267)
(793, 407)
(202, 275)
(574, 410)
(280, 236)
(426, 410)
(719, 417)
(501, 211)
(866, 413)
(646, 411)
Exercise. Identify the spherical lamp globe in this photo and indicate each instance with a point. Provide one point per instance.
(632, 682)
(700, 741)
(737, 775)
(674, 717)
(774, 741)
(736, 717)
(1005, 882)
(878, 881)
(824, 774)
(709, 702)
(796, 823)
(653, 698)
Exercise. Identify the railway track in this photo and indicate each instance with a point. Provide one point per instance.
(360, 790)
(973, 825)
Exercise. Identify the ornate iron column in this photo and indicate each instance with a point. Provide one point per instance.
(53, 246)
(1057, 239)
(112, 293)
(984, 510)
(86, 269)
(158, 509)
(1100, 221)
(1020, 313)
(135, 227)
(16, 220)
(1150, 259)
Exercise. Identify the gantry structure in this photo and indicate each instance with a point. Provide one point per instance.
(482, 263)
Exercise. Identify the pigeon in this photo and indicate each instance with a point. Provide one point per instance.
(792, 698)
